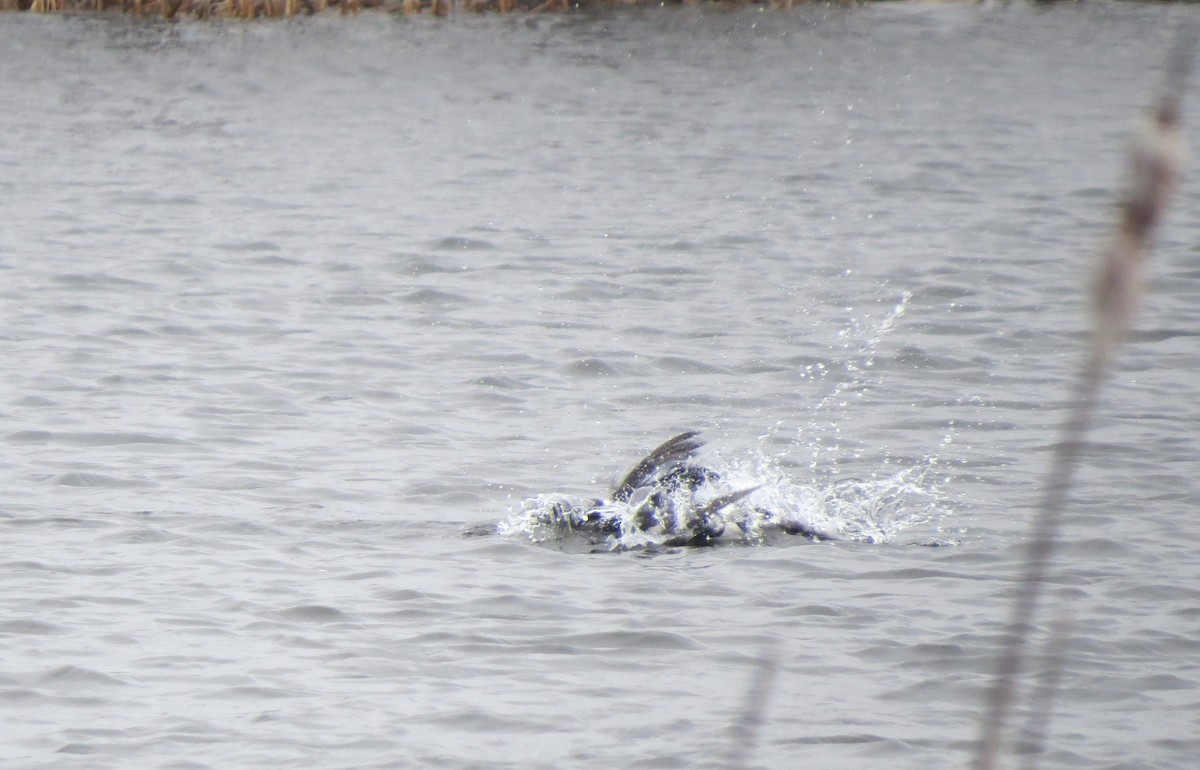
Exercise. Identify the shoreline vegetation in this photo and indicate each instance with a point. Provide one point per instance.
(252, 9)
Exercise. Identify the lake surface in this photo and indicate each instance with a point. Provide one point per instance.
(302, 320)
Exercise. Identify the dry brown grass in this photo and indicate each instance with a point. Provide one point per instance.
(241, 9)
(253, 9)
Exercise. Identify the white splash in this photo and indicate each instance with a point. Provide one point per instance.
(876, 509)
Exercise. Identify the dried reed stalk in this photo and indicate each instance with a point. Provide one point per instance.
(1041, 701)
(754, 709)
(1155, 160)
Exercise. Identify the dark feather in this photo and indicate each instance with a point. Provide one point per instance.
(667, 457)
(717, 503)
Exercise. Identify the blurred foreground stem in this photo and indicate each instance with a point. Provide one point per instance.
(1155, 160)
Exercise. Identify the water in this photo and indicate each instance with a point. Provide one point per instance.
(293, 308)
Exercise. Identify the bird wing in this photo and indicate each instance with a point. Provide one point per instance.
(667, 456)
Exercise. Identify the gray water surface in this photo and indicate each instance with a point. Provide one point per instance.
(290, 309)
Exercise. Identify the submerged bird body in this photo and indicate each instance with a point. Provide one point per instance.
(661, 498)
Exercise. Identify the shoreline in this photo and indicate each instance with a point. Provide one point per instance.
(283, 8)
(252, 9)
